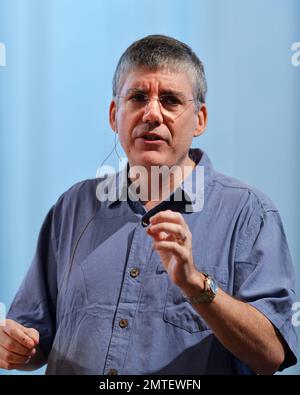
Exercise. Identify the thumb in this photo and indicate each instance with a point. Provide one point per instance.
(33, 334)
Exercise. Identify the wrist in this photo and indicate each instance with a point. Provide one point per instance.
(195, 285)
(202, 293)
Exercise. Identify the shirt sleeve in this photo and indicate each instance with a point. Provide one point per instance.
(35, 302)
(264, 272)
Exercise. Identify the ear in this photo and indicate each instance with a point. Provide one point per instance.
(201, 121)
(112, 115)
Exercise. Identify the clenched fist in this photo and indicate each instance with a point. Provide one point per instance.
(17, 344)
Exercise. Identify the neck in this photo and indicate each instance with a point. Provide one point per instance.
(158, 182)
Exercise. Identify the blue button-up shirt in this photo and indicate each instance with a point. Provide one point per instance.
(97, 315)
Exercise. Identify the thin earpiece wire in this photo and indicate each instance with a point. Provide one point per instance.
(113, 149)
(68, 271)
(115, 146)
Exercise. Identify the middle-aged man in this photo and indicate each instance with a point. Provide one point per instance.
(144, 284)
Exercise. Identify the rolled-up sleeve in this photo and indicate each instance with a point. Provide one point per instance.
(35, 302)
(264, 272)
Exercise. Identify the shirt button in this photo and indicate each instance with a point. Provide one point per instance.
(123, 323)
(134, 272)
(112, 372)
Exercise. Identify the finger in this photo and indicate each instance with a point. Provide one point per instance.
(161, 236)
(9, 366)
(12, 358)
(33, 334)
(16, 332)
(177, 231)
(12, 345)
(174, 248)
(169, 216)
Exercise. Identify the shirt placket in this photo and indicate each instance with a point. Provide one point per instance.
(123, 329)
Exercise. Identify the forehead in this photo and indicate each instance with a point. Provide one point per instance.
(157, 80)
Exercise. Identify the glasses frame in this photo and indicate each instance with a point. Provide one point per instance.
(158, 100)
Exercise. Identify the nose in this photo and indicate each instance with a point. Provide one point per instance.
(153, 112)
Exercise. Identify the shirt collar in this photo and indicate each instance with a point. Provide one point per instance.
(193, 186)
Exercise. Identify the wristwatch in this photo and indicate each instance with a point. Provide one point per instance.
(209, 293)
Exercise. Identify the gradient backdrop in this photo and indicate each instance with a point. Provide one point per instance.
(55, 89)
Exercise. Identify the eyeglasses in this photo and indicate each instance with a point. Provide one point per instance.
(169, 103)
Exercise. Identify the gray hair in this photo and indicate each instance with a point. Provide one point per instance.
(156, 52)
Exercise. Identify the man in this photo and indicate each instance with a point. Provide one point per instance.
(157, 285)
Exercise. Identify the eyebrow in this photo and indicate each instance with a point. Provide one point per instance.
(164, 92)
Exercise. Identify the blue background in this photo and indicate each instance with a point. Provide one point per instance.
(56, 87)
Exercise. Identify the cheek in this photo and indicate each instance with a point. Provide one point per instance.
(124, 140)
(184, 133)
(125, 127)
(190, 127)
(126, 123)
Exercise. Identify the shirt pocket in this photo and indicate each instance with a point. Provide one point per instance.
(178, 311)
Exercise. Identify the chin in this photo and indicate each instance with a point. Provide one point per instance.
(151, 158)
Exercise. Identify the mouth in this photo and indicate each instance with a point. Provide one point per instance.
(152, 137)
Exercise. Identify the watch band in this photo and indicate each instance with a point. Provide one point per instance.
(209, 293)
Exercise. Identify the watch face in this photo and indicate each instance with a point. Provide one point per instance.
(213, 285)
(208, 295)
